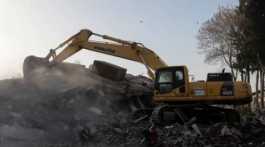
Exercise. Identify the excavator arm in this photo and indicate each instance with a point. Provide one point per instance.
(119, 48)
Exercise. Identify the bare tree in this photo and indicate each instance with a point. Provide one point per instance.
(220, 37)
(262, 88)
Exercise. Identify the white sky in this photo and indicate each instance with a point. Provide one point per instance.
(169, 27)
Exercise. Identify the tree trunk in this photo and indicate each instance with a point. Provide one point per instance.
(242, 76)
(248, 81)
(257, 92)
(233, 73)
(262, 88)
(248, 76)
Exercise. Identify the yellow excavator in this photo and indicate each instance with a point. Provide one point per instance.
(175, 97)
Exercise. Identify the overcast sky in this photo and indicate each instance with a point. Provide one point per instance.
(169, 27)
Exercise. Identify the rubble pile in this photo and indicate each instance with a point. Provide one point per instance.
(249, 133)
(93, 116)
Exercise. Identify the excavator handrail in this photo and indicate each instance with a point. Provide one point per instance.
(119, 48)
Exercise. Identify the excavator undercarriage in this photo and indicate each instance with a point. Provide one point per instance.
(204, 114)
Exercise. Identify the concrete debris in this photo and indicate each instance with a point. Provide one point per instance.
(108, 70)
(140, 119)
(178, 135)
(196, 129)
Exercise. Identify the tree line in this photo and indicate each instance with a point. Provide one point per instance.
(235, 36)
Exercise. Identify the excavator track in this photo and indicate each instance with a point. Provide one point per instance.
(166, 114)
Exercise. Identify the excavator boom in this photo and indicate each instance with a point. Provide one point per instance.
(117, 47)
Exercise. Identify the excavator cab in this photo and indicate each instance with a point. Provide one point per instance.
(172, 79)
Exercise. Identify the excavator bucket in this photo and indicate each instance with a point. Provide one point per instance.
(33, 65)
(41, 73)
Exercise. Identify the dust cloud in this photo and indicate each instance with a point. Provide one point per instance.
(59, 109)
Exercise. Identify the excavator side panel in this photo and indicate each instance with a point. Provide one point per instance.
(210, 93)
(197, 89)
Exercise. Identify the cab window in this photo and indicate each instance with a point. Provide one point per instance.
(179, 75)
(165, 81)
(165, 77)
